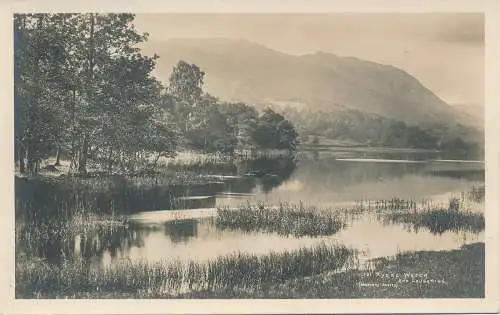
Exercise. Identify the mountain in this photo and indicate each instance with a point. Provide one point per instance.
(475, 113)
(239, 70)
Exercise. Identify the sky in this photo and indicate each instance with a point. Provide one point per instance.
(444, 51)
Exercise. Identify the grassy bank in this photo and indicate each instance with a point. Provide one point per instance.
(285, 219)
(247, 272)
(444, 274)
(424, 274)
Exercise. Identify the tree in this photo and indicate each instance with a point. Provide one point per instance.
(82, 85)
(103, 43)
(456, 148)
(273, 131)
(39, 96)
(186, 83)
(242, 120)
(211, 130)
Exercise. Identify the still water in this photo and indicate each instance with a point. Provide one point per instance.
(187, 230)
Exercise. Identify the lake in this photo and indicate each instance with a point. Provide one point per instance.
(185, 228)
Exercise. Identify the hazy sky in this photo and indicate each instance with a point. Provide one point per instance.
(444, 51)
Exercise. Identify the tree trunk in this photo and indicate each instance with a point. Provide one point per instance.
(21, 154)
(30, 161)
(58, 156)
(74, 152)
(33, 111)
(156, 160)
(82, 161)
(110, 161)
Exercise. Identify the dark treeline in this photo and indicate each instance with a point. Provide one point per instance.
(374, 130)
(85, 93)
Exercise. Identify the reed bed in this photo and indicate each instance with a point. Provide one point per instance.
(35, 236)
(461, 269)
(439, 220)
(464, 201)
(42, 197)
(476, 194)
(191, 158)
(249, 154)
(170, 278)
(286, 219)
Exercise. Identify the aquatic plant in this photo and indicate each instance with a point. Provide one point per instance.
(286, 219)
(476, 194)
(37, 198)
(439, 221)
(37, 278)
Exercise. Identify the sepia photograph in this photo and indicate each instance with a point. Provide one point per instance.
(249, 155)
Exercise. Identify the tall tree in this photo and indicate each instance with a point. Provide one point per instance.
(273, 131)
(186, 82)
(210, 129)
(82, 85)
(99, 41)
(38, 54)
(186, 86)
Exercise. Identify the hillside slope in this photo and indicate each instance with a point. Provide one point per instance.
(239, 70)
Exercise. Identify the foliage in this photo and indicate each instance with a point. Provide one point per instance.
(370, 129)
(83, 89)
(210, 129)
(274, 131)
(458, 148)
(83, 86)
(186, 82)
(211, 126)
(353, 125)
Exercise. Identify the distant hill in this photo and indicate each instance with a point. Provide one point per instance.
(474, 111)
(238, 70)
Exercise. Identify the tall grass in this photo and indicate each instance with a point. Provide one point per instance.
(52, 237)
(190, 159)
(168, 278)
(476, 194)
(465, 201)
(439, 220)
(286, 219)
(42, 197)
(263, 154)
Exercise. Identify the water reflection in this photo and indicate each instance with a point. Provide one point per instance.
(315, 178)
(200, 239)
(181, 231)
(271, 173)
(55, 246)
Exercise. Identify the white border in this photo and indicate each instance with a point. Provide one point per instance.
(491, 8)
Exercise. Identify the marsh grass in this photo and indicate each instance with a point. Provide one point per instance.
(286, 219)
(193, 158)
(439, 221)
(462, 271)
(465, 201)
(58, 231)
(476, 194)
(46, 197)
(170, 278)
(269, 154)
